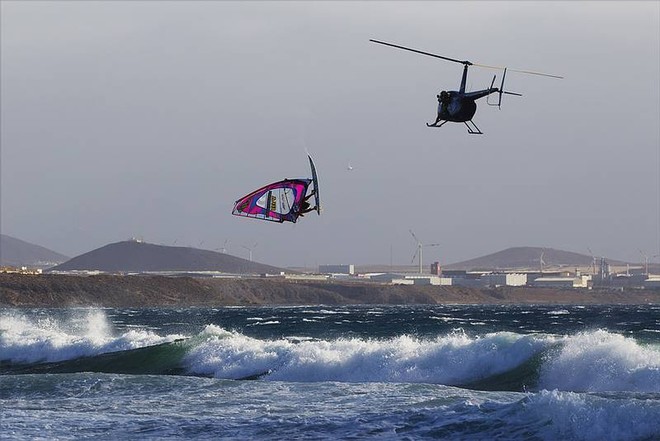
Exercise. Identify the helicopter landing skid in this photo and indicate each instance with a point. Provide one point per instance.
(473, 131)
(435, 124)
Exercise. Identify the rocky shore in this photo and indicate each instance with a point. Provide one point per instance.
(61, 291)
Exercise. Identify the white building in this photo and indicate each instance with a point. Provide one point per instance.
(305, 277)
(410, 279)
(391, 278)
(468, 282)
(487, 279)
(653, 282)
(337, 269)
(426, 279)
(562, 282)
(504, 279)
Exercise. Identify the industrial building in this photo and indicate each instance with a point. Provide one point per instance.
(410, 279)
(653, 282)
(562, 282)
(504, 279)
(482, 279)
(391, 278)
(337, 269)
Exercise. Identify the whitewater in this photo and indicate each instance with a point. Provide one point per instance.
(332, 372)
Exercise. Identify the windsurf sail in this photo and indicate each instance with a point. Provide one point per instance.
(277, 202)
(315, 180)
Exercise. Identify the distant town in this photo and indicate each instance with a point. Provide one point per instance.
(516, 267)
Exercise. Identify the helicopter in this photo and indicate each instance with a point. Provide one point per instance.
(460, 106)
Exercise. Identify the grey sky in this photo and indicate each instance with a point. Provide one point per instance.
(149, 119)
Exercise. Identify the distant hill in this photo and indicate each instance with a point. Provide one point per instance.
(137, 256)
(528, 258)
(516, 258)
(16, 252)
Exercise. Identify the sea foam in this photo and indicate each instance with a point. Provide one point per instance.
(570, 415)
(601, 361)
(451, 359)
(84, 333)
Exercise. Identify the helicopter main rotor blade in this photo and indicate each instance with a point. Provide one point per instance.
(529, 72)
(465, 62)
(421, 52)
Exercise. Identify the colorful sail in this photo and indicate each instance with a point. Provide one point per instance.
(277, 202)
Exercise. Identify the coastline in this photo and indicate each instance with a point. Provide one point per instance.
(64, 291)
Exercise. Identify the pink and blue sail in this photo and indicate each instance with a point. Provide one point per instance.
(281, 201)
(277, 202)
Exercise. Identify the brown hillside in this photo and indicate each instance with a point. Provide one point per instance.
(527, 258)
(135, 256)
(16, 252)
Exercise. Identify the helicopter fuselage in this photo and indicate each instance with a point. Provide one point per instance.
(461, 107)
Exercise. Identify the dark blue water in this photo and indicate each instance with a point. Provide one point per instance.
(392, 372)
(388, 321)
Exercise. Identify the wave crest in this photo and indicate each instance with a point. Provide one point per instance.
(602, 361)
(83, 334)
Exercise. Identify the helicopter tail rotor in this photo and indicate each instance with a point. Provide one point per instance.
(501, 90)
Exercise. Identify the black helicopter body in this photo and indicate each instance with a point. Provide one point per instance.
(459, 105)
(458, 108)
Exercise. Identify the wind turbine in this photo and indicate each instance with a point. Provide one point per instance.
(250, 250)
(541, 261)
(646, 261)
(420, 245)
(223, 249)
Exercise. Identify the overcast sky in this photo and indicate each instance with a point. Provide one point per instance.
(149, 119)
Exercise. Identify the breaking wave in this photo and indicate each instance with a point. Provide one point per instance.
(595, 361)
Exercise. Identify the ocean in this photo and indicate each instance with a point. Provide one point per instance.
(331, 372)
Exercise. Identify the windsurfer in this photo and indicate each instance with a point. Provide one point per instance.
(305, 206)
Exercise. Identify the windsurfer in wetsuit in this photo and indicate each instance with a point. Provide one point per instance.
(305, 206)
